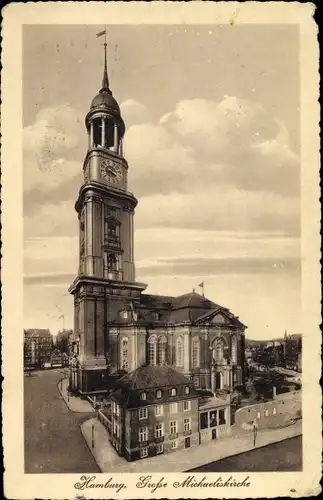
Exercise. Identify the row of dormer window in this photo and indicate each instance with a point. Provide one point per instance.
(160, 393)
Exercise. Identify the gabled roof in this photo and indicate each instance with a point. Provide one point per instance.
(192, 300)
(234, 320)
(156, 301)
(149, 377)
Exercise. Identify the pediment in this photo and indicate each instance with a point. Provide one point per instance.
(219, 317)
(112, 220)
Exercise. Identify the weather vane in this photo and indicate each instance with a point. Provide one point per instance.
(105, 81)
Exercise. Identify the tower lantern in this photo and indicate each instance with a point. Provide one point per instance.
(104, 123)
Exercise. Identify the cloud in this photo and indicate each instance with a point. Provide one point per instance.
(215, 208)
(53, 147)
(234, 142)
(209, 167)
(52, 219)
(200, 266)
(134, 112)
(49, 279)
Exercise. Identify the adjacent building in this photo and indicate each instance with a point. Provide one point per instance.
(156, 410)
(38, 345)
(119, 326)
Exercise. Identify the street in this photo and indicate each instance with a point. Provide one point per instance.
(53, 440)
(285, 456)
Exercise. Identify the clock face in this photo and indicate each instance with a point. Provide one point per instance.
(111, 171)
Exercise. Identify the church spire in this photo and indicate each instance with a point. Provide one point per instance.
(105, 79)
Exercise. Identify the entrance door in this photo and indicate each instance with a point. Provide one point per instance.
(213, 433)
(187, 442)
(219, 381)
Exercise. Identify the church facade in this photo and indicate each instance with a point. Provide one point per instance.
(121, 328)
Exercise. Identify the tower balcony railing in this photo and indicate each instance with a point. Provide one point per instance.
(113, 274)
(112, 241)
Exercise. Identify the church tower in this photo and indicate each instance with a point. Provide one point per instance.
(105, 284)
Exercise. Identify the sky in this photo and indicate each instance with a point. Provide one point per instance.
(212, 142)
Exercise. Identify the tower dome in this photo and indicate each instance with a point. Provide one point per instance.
(105, 100)
(104, 123)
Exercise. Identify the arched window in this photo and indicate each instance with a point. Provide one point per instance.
(152, 354)
(179, 351)
(161, 351)
(187, 390)
(124, 354)
(234, 350)
(218, 351)
(195, 352)
(173, 392)
(112, 262)
(124, 314)
(143, 396)
(159, 394)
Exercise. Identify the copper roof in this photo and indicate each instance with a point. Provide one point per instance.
(149, 377)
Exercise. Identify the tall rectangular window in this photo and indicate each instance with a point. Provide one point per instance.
(159, 448)
(179, 352)
(187, 424)
(143, 434)
(144, 452)
(143, 413)
(173, 408)
(152, 351)
(234, 350)
(158, 410)
(187, 405)
(195, 352)
(159, 430)
(124, 354)
(173, 426)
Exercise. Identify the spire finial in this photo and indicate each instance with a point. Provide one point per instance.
(105, 79)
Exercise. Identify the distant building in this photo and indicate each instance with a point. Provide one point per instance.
(38, 345)
(293, 351)
(56, 358)
(63, 340)
(155, 410)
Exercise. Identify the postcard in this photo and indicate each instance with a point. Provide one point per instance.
(161, 250)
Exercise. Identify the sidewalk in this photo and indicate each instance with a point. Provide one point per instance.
(73, 403)
(180, 461)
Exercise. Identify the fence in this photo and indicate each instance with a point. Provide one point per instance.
(104, 420)
(280, 410)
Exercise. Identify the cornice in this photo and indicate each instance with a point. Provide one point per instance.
(96, 189)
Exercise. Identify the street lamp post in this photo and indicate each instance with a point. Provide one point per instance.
(254, 433)
(92, 435)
